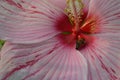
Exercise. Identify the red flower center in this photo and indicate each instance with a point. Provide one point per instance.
(76, 26)
(69, 34)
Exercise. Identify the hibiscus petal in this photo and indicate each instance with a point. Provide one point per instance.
(103, 56)
(86, 5)
(28, 21)
(44, 61)
(59, 3)
(107, 14)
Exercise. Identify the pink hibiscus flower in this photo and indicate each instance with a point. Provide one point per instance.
(59, 40)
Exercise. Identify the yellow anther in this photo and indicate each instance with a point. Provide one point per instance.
(74, 11)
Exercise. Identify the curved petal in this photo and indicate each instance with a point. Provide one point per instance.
(107, 13)
(45, 61)
(86, 4)
(28, 21)
(103, 56)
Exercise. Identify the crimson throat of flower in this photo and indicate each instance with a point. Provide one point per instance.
(80, 25)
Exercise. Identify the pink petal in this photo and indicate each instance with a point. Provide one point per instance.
(103, 58)
(86, 4)
(44, 61)
(103, 54)
(107, 13)
(24, 21)
(59, 3)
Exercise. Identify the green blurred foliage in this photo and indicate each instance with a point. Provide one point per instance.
(1, 43)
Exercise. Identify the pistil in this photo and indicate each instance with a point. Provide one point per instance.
(80, 25)
(74, 11)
